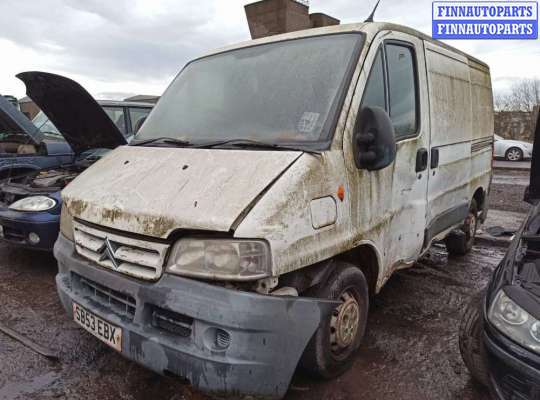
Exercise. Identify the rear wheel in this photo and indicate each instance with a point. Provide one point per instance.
(332, 348)
(461, 242)
(514, 154)
(471, 345)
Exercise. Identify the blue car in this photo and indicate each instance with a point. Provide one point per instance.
(43, 160)
(27, 146)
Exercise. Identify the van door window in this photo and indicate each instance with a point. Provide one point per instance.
(402, 89)
(374, 94)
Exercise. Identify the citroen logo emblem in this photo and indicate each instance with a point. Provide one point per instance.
(107, 251)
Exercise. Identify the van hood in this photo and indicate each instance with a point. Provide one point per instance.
(75, 113)
(154, 191)
(14, 122)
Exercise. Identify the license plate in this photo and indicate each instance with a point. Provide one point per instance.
(104, 331)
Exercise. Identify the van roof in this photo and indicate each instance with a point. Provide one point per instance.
(369, 28)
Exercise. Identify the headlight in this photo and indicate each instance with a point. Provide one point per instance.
(66, 223)
(34, 203)
(222, 259)
(515, 322)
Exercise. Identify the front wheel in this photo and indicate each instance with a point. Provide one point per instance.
(461, 242)
(332, 348)
(514, 154)
(471, 345)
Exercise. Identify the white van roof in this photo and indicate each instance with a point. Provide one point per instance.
(369, 28)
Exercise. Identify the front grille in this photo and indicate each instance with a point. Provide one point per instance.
(14, 234)
(172, 322)
(138, 258)
(114, 300)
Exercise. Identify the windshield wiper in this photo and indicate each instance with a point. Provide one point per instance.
(249, 143)
(163, 140)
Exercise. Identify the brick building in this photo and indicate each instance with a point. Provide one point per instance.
(517, 125)
(272, 17)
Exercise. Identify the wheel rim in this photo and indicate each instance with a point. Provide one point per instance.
(344, 323)
(514, 155)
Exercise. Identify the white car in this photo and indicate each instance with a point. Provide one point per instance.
(512, 150)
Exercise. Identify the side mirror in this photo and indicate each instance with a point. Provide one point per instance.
(374, 143)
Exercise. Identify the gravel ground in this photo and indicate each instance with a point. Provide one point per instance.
(410, 351)
(507, 191)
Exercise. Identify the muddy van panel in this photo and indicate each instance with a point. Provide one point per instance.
(273, 202)
(284, 217)
(221, 341)
(463, 138)
(139, 198)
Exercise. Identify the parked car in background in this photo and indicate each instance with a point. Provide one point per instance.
(275, 187)
(512, 150)
(30, 146)
(78, 131)
(13, 100)
(500, 330)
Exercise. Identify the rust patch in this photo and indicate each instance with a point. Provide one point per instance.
(111, 214)
(159, 226)
(77, 207)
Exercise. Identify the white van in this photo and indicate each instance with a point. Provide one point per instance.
(276, 186)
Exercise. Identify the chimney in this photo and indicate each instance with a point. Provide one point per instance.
(318, 20)
(272, 17)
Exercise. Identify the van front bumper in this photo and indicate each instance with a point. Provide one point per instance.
(261, 337)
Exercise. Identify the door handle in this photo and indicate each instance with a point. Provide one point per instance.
(434, 158)
(421, 159)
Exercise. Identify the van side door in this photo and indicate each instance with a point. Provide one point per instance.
(451, 135)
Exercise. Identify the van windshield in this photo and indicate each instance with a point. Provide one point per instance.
(284, 93)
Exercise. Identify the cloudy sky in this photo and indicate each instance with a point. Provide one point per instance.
(119, 47)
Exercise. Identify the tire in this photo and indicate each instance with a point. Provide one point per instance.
(513, 154)
(471, 344)
(459, 244)
(329, 354)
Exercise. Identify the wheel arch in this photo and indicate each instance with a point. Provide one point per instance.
(367, 258)
(480, 197)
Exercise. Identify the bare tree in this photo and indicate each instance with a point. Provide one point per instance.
(502, 101)
(526, 94)
(523, 95)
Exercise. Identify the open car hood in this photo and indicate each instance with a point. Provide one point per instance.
(14, 122)
(521, 275)
(534, 186)
(75, 113)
